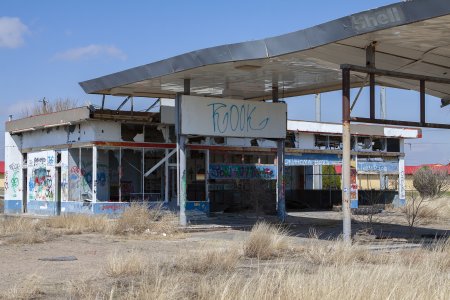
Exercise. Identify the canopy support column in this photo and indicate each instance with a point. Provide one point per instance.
(346, 138)
(181, 153)
(281, 201)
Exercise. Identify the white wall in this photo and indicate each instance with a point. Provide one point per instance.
(13, 167)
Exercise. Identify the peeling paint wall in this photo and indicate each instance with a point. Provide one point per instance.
(68, 134)
(13, 168)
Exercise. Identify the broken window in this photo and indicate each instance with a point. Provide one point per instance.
(364, 144)
(131, 179)
(393, 145)
(132, 133)
(196, 175)
(321, 141)
(108, 174)
(334, 142)
(80, 174)
(379, 144)
(153, 134)
(154, 182)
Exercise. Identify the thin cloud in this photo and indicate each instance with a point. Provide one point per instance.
(12, 32)
(91, 51)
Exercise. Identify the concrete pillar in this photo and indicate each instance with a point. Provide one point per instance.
(346, 155)
(94, 174)
(281, 185)
(401, 181)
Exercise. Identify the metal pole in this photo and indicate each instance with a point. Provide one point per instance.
(346, 155)
(422, 102)
(383, 111)
(181, 146)
(318, 108)
(181, 165)
(94, 174)
(281, 205)
(370, 63)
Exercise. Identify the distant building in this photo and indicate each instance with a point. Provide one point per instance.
(410, 170)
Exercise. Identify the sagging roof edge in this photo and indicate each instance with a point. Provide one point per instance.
(329, 32)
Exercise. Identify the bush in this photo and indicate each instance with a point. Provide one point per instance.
(430, 183)
(265, 241)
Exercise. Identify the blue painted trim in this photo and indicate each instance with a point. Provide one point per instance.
(45, 208)
(201, 206)
(12, 206)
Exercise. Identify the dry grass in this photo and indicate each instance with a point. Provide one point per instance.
(265, 241)
(18, 230)
(79, 223)
(332, 270)
(125, 264)
(29, 289)
(138, 219)
(208, 261)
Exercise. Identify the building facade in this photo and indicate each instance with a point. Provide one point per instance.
(88, 160)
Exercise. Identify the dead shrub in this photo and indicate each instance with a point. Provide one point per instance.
(138, 219)
(79, 223)
(125, 264)
(30, 288)
(265, 241)
(85, 289)
(20, 230)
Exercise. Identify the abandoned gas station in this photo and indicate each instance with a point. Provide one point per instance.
(221, 140)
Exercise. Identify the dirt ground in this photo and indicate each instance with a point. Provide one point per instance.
(20, 262)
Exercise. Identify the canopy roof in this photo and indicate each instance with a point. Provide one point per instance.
(411, 37)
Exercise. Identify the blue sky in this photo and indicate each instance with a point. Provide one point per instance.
(47, 47)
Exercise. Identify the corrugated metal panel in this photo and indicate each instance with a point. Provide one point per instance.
(411, 36)
(65, 117)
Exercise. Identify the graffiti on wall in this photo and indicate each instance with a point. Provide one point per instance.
(41, 176)
(226, 171)
(12, 180)
(80, 182)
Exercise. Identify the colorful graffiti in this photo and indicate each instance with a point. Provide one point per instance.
(12, 181)
(41, 185)
(41, 176)
(80, 183)
(224, 171)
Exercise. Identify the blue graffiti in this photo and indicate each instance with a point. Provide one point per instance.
(235, 118)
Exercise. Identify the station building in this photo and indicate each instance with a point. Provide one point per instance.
(98, 161)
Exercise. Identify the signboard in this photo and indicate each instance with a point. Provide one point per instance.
(311, 159)
(378, 167)
(232, 118)
(231, 171)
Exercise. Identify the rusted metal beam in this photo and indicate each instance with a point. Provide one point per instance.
(422, 102)
(400, 123)
(394, 74)
(370, 63)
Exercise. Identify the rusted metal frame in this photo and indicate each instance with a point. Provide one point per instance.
(153, 105)
(123, 103)
(134, 145)
(370, 63)
(422, 103)
(103, 101)
(400, 123)
(346, 155)
(394, 74)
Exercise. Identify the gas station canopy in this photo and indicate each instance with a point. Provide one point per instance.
(411, 37)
